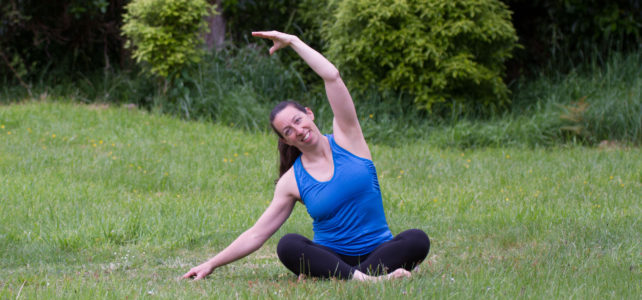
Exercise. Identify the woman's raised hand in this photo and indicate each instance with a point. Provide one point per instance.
(280, 39)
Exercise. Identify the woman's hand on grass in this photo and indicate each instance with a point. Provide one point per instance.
(280, 39)
(199, 272)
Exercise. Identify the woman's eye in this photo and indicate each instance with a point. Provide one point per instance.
(297, 120)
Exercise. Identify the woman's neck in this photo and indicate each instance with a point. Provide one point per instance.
(319, 152)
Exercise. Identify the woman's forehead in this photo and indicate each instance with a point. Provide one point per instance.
(287, 114)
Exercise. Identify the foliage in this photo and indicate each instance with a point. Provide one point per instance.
(73, 35)
(447, 54)
(563, 33)
(244, 16)
(234, 86)
(165, 34)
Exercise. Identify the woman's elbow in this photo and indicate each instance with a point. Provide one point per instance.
(332, 74)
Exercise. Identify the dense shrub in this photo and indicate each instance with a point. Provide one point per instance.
(445, 53)
(165, 34)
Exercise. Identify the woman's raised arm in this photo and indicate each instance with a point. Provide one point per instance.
(346, 128)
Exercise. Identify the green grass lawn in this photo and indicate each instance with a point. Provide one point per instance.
(116, 203)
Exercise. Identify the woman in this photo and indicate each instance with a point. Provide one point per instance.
(334, 177)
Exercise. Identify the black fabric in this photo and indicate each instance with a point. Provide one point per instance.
(302, 256)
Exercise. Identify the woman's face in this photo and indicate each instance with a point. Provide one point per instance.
(297, 128)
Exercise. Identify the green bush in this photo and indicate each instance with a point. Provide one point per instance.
(447, 54)
(165, 34)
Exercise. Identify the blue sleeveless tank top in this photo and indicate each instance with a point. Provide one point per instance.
(347, 210)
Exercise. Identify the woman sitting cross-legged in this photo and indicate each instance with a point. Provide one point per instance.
(334, 177)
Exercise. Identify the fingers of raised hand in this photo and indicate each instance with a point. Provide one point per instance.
(266, 34)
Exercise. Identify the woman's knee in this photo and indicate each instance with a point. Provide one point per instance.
(419, 239)
(289, 243)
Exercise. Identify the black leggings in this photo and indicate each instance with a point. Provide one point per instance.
(302, 256)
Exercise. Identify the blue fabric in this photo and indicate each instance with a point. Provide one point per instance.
(347, 209)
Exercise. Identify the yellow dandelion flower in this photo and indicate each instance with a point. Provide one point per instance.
(398, 177)
(231, 160)
(506, 199)
(9, 132)
(468, 160)
(2, 126)
(236, 155)
(224, 159)
(166, 174)
(44, 148)
(53, 136)
(29, 130)
(113, 145)
(100, 142)
(622, 184)
(610, 177)
(94, 144)
(371, 116)
(401, 172)
(246, 154)
(462, 154)
(434, 200)
(114, 157)
(507, 156)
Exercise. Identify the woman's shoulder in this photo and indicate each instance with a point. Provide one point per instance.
(287, 185)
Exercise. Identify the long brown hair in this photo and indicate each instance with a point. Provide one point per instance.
(287, 154)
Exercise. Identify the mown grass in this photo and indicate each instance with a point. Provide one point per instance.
(111, 202)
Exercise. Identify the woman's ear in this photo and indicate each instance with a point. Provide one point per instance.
(309, 112)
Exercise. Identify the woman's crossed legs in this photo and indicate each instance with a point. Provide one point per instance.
(302, 256)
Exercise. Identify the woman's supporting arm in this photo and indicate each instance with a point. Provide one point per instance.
(252, 239)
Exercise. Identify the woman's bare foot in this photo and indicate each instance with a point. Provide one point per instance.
(398, 273)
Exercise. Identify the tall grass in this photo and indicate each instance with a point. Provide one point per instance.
(597, 101)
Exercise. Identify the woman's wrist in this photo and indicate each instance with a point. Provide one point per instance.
(294, 41)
